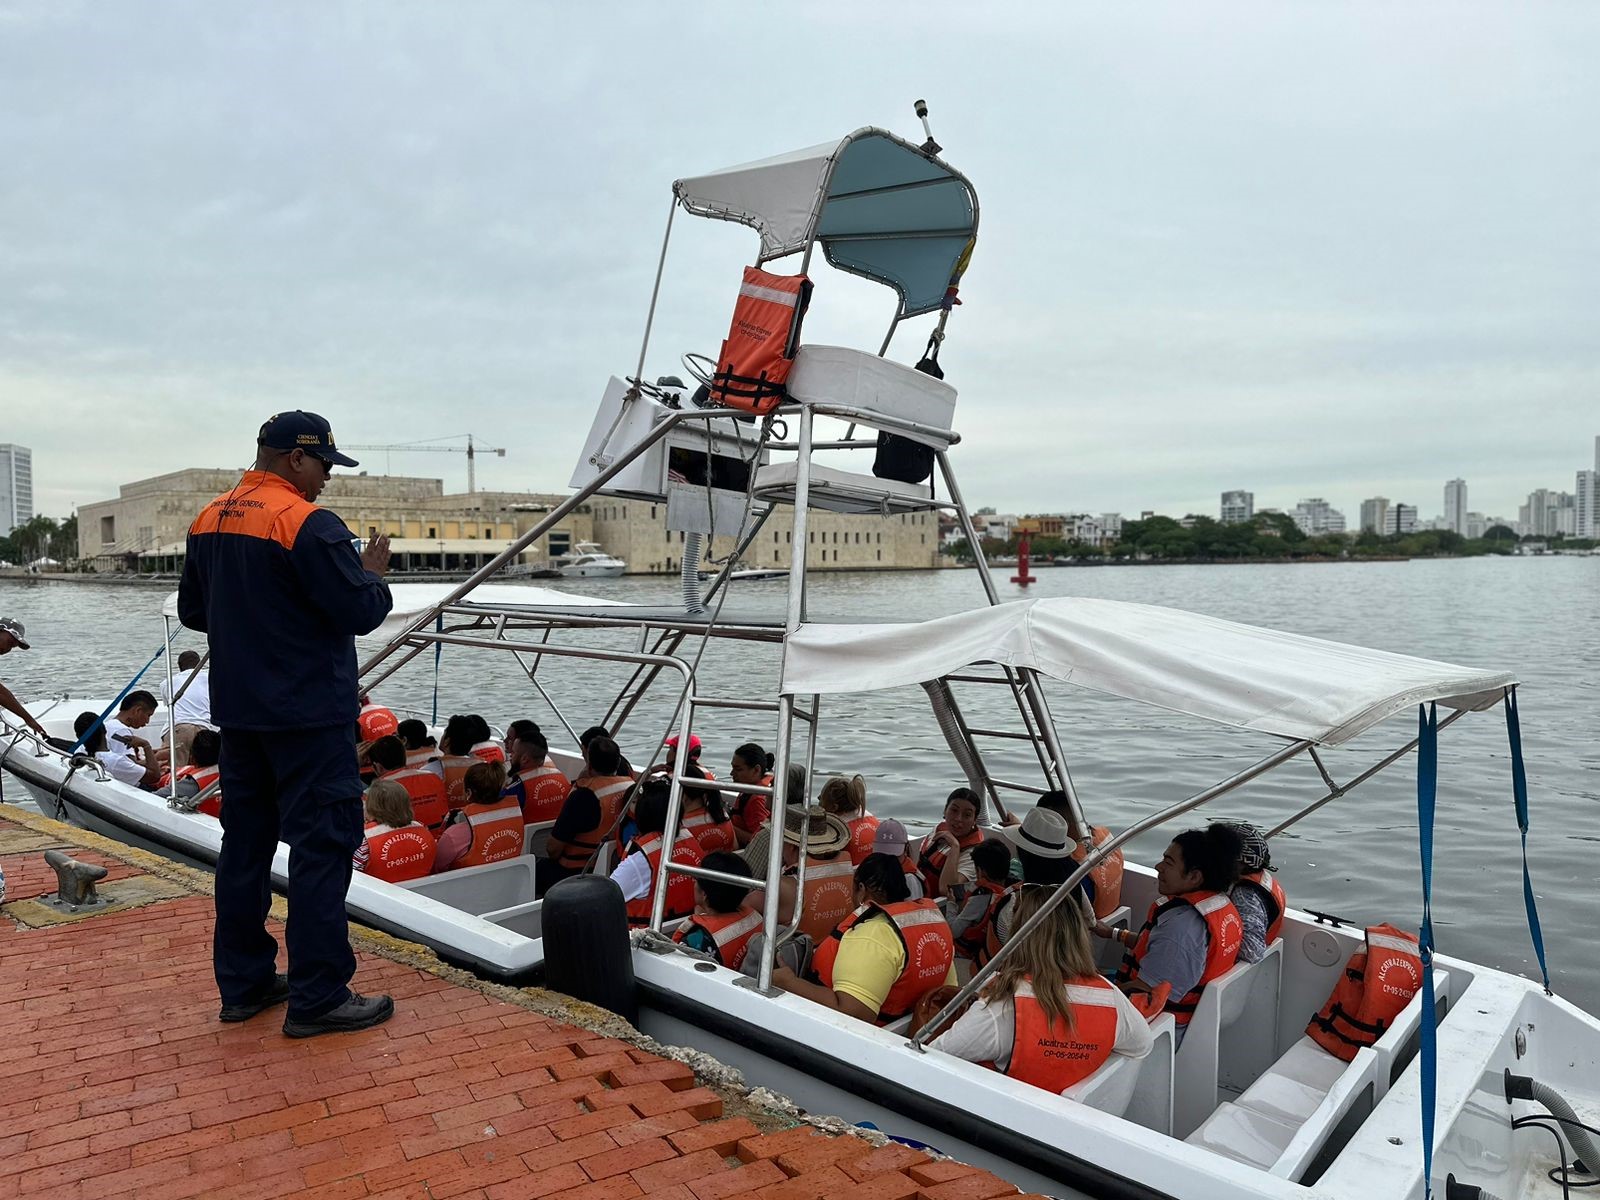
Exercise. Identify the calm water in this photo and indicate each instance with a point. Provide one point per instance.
(1356, 857)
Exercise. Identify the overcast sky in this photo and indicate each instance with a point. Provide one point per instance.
(1304, 249)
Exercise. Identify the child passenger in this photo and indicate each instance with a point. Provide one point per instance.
(945, 855)
(970, 924)
(721, 926)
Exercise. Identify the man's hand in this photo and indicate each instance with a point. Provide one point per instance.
(375, 557)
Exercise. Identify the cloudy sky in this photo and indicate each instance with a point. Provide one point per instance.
(1304, 249)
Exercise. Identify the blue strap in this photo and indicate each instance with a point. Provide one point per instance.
(1427, 794)
(438, 653)
(116, 704)
(1519, 789)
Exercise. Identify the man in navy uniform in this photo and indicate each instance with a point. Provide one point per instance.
(277, 586)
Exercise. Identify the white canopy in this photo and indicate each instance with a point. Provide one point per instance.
(412, 600)
(1239, 675)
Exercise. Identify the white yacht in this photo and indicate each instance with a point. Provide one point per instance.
(1484, 1085)
(587, 560)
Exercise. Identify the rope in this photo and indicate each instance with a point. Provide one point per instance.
(1519, 790)
(1427, 795)
(116, 704)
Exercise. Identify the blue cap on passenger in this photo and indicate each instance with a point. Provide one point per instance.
(299, 430)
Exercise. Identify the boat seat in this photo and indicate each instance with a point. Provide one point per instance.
(1225, 1043)
(841, 375)
(1136, 1089)
(840, 491)
(1108, 951)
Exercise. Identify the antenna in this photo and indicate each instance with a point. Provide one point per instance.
(930, 146)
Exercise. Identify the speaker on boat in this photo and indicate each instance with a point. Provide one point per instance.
(587, 955)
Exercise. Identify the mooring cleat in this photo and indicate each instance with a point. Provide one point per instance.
(74, 882)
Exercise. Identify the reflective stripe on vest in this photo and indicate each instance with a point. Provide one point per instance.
(375, 722)
(974, 939)
(1106, 875)
(925, 937)
(541, 801)
(496, 833)
(488, 752)
(712, 835)
(1373, 990)
(680, 887)
(765, 333)
(609, 790)
(829, 895)
(204, 777)
(1051, 1056)
(396, 855)
(730, 931)
(1224, 933)
(430, 803)
(1272, 896)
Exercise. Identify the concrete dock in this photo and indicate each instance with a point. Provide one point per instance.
(116, 1078)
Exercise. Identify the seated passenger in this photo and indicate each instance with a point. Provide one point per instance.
(374, 721)
(882, 958)
(429, 803)
(751, 764)
(706, 818)
(584, 740)
(1258, 896)
(205, 749)
(970, 924)
(847, 800)
(466, 740)
(1192, 935)
(890, 838)
(420, 748)
(1104, 883)
(1047, 1017)
(140, 772)
(487, 828)
(396, 847)
(830, 875)
(756, 850)
(691, 760)
(1044, 851)
(945, 855)
(537, 783)
(592, 810)
(636, 874)
(721, 926)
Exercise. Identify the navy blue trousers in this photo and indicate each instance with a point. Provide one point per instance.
(299, 786)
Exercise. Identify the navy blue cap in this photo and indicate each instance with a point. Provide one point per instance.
(303, 431)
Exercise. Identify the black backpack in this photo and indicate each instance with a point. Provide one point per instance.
(902, 458)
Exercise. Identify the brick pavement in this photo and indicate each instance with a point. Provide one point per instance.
(117, 1079)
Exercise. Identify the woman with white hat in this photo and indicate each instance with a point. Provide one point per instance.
(829, 871)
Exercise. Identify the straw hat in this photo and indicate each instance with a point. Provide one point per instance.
(1042, 834)
(824, 833)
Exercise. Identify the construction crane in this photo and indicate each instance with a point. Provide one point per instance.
(472, 451)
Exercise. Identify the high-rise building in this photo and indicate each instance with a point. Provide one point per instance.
(1314, 516)
(1455, 506)
(1375, 514)
(1401, 518)
(1238, 507)
(16, 487)
(1585, 500)
(1542, 515)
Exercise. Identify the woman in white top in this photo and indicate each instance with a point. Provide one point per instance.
(1048, 1018)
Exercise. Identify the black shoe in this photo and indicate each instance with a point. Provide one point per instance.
(358, 1012)
(274, 993)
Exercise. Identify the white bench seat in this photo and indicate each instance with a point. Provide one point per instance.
(842, 375)
(1224, 1044)
(836, 490)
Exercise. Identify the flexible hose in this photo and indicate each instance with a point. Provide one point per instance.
(1525, 1087)
(966, 756)
(1465, 1191)
(691, 574)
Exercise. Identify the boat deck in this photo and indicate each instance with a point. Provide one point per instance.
(116, 1077)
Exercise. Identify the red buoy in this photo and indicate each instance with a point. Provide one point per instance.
(1022, 575)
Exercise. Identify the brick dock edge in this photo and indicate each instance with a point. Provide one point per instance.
(117, 1078)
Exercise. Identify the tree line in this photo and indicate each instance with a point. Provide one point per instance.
(40, 538)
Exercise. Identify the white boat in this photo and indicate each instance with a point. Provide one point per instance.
(1244, 1109)
(586, 560)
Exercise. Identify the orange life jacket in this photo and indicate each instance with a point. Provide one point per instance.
(496, 832)
(1224, 933)
(731, 932)
(610, 790)
(1272, 896)
(455, 768)
(991, 931)
(930, 861)
(1376, 986)
(712, 835)
(930, 952)
(863, 830)
(680, 887)
(751, 811)
(422, 757)
(829, 895)
(973, 941)
(399, 854)
(1106, 875)
(756, 358)
(375, 722)
(430, 803)
(488, 752)
(541, 792)
(204, 777)
(1052, 1057)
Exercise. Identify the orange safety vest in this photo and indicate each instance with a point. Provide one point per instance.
(712, 835)
(731, 932)
(1377, 984)
(455, 768)
(496, 832)
(829, 895)
(1106, 876)
(1224, 933)
(759, 351)
(930, 861)
(924, 934)
(375, 722)
(204, 777)
(422, 757)
(1054, 1058)
(1272, 896)
(430, 804)
(991, 930)
(680, 887)
(541, 793)
(863, 830)
(973, 941)
(751, 811)
(489, 752)
(610, 790)
(396, 855)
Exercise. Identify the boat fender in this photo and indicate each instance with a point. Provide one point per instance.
(587, 954)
